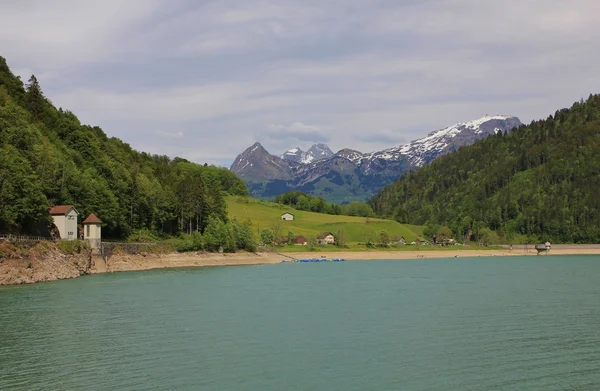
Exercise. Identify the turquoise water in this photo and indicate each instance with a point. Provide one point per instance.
(455, 324)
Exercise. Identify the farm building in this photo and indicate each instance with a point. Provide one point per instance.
(325, 238)
(287, 216)
(65, 219)
(300, 241)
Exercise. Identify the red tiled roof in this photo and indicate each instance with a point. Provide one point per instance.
(92, 219)
(60, 209)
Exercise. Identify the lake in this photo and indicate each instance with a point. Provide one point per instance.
(514, 323)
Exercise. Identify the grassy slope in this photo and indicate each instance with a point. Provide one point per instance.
(266, 214)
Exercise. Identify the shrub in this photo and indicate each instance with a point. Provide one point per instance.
(143, 235)
(70, 247)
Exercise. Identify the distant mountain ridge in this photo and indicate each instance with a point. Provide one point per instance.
(352, 175)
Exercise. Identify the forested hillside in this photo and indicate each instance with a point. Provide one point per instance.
(538, 182)
(47, 157)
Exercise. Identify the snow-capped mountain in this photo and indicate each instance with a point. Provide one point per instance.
(292, 155)
(350, 174)
(439, 142)
(314, 154)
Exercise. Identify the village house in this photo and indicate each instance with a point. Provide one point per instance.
(443, 240)
(92, 230)
(300, 241)
(399, 241)
(65, 219)
(325, 238)
(287, 216)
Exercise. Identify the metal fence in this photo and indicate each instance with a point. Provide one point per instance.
(23, 238)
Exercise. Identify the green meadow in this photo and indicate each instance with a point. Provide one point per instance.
(265, 214)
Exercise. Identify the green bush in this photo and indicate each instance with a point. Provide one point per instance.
(143, 235)
(70, 247)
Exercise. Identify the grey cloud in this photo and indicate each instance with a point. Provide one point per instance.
(386, 136)
(220, 72)
(169, 134)
(284, 136)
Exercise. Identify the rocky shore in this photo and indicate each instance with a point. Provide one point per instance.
(51, 267)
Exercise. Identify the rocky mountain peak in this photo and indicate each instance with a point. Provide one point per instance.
(293, 155)
(350, 154)
(257, 162)
(315, 153)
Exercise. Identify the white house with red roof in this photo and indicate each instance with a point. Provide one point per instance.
(92, 230)
(65, 219)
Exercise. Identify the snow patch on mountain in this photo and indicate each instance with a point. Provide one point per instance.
(315, 153)
(436, 143)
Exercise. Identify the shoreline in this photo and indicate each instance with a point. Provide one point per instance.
(27, 271)
(121, 263)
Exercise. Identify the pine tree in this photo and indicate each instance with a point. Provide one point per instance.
(35, 98)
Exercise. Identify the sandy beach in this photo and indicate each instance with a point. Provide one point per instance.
(120, 263)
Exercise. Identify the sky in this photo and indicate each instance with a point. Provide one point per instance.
(204, 80)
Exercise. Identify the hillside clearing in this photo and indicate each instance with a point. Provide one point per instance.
(264, 214)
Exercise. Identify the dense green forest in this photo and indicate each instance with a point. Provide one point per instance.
(47, 157)
(302, 201)
(538, 182)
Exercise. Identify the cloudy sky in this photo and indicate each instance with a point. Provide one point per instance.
(206, 79)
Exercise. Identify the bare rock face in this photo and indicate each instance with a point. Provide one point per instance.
(256, 163)
(42, 264)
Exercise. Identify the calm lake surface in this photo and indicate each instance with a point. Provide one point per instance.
(529, 323)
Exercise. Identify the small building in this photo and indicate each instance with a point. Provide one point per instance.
(287, 216)
(300, 241)
(401, 241)
(92, 230)
(325, 238)
(65, 219)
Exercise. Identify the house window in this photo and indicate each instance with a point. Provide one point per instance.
(87, 231)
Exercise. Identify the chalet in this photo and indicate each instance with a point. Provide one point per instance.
(325, 238)
(92, 230)
(443, 240)
(300, 241)
(287, 216)
(401, 241)
(65, 219)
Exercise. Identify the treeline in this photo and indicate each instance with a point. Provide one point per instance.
(47, 157)
(310, 203)
(219, 235)
(539, 182)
